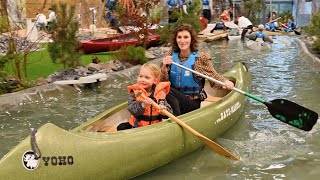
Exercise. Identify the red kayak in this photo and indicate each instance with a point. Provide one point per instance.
(115, 42)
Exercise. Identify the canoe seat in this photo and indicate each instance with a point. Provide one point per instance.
(213, 98)
(210, 100)
(108, 129)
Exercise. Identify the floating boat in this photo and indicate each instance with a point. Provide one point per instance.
(84, 80)
(277, 33)
(115, 42)
(234, 38)
(258, 45)
(95, 150)
(212, 36)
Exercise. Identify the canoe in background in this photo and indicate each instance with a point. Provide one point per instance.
(277, 33)
(115, 42)
(94, 150)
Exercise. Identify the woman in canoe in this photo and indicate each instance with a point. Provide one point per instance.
(148, 83)
(186, 92)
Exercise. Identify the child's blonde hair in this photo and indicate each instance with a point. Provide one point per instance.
(154, 69)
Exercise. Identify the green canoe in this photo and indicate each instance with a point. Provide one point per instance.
(95, 150)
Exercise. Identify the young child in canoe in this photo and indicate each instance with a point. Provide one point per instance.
(142, 112)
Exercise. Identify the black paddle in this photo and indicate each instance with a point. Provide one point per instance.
(284, 110)
(295, 31)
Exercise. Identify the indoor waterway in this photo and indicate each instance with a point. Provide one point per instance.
(268, 148)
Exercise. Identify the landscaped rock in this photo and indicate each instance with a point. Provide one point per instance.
(41, 81)
(66, 74)
(22, 44)
(94, 67)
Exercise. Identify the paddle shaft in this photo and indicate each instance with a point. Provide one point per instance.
(211, 144)
(219, 82)
(274, 20)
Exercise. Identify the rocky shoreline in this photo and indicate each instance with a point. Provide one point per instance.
(305, 43)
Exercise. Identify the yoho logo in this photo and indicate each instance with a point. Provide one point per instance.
(30, 160)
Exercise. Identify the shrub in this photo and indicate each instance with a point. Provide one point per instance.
(133, 55)
(191, 18)
(64, 50)
(313, 30)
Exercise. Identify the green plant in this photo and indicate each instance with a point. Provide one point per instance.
(313, 30)
(285, 16)
(155, 15)
(131, 54)
(191, 18)
(251, 9)
(3, 24)
(64, 50)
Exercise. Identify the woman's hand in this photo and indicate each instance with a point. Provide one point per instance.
(167, 60)
(228, 85)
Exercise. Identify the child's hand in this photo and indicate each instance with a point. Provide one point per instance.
(146, 102)
(162, 108)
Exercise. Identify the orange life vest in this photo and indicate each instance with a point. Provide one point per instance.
(224, 16)
(151, 114)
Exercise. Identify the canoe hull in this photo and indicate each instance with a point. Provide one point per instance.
(78, 154)
(258, 45)
(116, 42)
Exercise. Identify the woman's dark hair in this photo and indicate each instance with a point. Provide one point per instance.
(194, 41)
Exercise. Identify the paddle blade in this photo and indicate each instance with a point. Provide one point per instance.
(297, 32)
(292, 113)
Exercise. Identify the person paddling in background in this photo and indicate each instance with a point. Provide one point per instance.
(225, 17)
(272, 26)
(142, 112)
(245, 24)
(289, 26)
(260, 35)
(187, 89)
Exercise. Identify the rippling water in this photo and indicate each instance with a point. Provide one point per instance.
(268, 148)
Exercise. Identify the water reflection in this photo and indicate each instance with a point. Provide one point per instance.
(268, 148)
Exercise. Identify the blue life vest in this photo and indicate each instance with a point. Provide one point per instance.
(184, 80)
(260, 35)
(290, 25)
(205, 2)
(172, 2)
(272, 25)
(111, 5)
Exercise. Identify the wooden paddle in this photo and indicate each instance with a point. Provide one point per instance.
(212, 145)
(281, 109)
(295, 31)
(274, 20)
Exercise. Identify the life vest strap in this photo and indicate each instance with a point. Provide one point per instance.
(148, 118)
(184, 89)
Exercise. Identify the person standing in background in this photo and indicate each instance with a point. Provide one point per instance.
(41, 21)
(207, 9)
(52, 18)
(173, 6)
